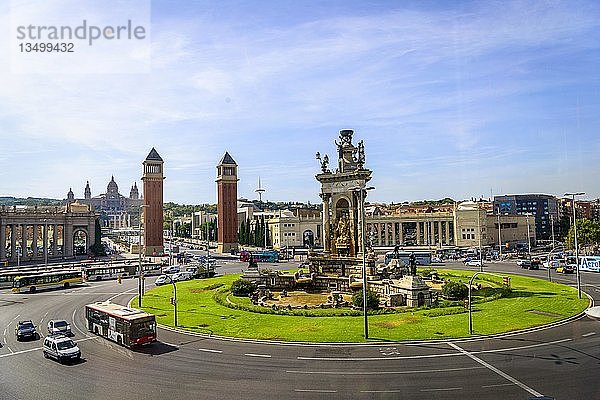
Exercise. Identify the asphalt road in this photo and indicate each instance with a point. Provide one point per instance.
(562, 361)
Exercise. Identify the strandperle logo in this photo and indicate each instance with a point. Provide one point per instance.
(85, 31)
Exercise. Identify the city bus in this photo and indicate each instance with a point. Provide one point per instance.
(260, 256)
(589, 263)
(421, 257)
(123, 325)
(47, 280)
(103, 272)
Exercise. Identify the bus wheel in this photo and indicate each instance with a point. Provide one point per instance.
(67, 284)
(32, 289)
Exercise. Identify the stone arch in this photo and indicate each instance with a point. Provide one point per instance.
(308, 238)
(80, 241)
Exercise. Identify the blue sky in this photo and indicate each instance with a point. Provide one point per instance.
(457, 99)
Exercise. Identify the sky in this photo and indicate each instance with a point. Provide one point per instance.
(452, 99)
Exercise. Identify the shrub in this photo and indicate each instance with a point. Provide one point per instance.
(455, 290)
(242, 287)
(372, 300)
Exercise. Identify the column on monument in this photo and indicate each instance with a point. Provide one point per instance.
(448, 241)
(34, 241)
(379, 242)
(13, 242)
(54, 236)
(68, 239)
(45, 238)
(2, 241)
(326, 233)
(401, 234)
(393, 233)
(24, 241)
(91, 235)
(418, 232)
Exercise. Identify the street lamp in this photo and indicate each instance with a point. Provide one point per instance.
(528, 237)
(142, 206)
(576, 249)
(363, 190)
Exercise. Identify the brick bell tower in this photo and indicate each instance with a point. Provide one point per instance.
(227, 221)
(153, 204)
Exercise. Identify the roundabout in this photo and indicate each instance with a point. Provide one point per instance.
(561, 361)
(208, 306)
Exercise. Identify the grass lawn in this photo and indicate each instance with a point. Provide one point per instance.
(533, 302)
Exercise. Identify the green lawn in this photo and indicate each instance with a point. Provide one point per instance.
(533, 302)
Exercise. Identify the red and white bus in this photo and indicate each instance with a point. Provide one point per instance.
(124, 325)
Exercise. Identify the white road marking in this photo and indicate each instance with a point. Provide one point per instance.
(496, 370)
(211, 350)
(315, 391)
(423, 371)
(382, 391)
(441, 389)
(258, 355)
(497, 385)
(588, 334)
(432, 355)
(122, 293)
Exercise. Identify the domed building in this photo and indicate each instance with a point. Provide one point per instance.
(116, 211)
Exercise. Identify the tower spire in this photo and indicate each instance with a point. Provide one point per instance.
(259, 190)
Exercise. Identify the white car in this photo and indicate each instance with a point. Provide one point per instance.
(171, 269)
(59, 326)
(61, 348)
(162, 280)
(474, 263)
(181, 276)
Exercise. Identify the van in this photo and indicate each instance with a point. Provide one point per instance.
(61, 348)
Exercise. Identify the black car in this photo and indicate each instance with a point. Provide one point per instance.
(26, 330)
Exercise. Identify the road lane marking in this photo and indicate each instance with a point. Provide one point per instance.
(496, 370)
(122, 293)
(433, 355)
(497, 385)
(258, 355)
(315, 390)
(441, 389)
(211, 350)
(382, 391)
(416, 371)
(588, 334)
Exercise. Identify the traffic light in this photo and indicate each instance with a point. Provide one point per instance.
(172, 300)
(506, 245)
(119, 279)
(466, 304)
(506, 281)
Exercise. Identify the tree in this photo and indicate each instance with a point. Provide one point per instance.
(588, 234)
(372, 300)
(455, 290)
(241, 287)
(97, 248)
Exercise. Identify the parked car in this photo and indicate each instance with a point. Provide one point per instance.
(524, 263)
(474, 263)
(181, 276)
(171, 269)
(61, 348)
(162, 280)
(59, 326)
(26, 330)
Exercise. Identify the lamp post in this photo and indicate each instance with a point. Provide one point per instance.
(528, 237)
(363, 246)
(576, 249)
(174, 298)
(142, 206)
(479, 237)
(499, 236)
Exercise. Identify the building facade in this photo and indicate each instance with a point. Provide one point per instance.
(115, 210)
(542, 207)
(37, 234)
